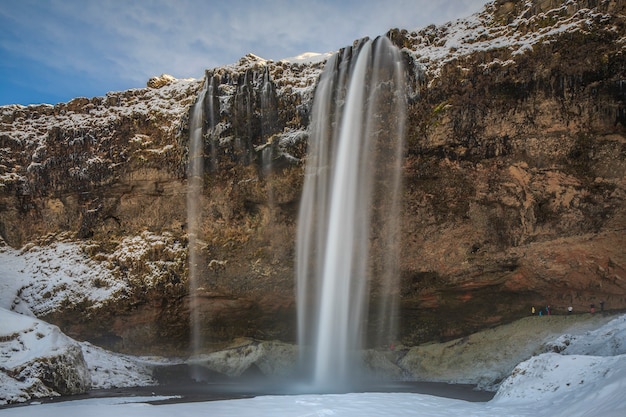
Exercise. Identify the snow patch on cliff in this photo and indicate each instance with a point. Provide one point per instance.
(172, 99)
(39, 279)
(434, 46)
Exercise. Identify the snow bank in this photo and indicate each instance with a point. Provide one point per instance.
(112, 370)
(608, 340)
(37, 360)
(588, 377)
(550, 384)
(576, 384)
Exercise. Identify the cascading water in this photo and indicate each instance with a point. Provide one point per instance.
(210, 94)
(204, 127)
(269, 106)
(269, 117)
(194, 195)
(348, 222)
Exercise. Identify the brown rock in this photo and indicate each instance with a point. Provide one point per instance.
(160, 81)
(515, 180)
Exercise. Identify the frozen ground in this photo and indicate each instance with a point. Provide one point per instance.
(584, 375)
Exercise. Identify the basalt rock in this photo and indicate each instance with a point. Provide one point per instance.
(514, 182)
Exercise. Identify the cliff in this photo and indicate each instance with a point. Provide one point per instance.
(514, 186)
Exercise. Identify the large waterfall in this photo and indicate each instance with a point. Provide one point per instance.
(347, 238)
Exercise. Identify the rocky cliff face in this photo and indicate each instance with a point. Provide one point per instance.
(515, 174)
(514, 183)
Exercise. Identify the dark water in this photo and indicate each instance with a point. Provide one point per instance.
(176, 381)
(213, 392)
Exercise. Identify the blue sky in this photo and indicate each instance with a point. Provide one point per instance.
(54, 50)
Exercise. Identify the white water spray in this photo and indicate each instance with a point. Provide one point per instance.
(347, 239)
(195, 177)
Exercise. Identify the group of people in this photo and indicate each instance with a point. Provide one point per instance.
(548, 310)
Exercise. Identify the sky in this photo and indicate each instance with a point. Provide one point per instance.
(54, 50)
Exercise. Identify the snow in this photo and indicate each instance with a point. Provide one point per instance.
(25, 342)
(37, 279)
(111, 370)
(25, 339)
(588, 378)
(433, 46)
(35, 357)
(608, 340)
(285, 406)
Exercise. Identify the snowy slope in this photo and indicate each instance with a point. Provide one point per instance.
(38, 279)
(550, 384)
(576, 384)
(588, 377)
(609, 340)
(32, 350)
(434, 46)
(37, 360)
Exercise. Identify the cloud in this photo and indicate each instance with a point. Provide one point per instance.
(125, 42)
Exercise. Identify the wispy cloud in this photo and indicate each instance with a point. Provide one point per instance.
(123, 43)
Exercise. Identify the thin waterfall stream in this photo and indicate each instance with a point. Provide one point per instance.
(194, 215)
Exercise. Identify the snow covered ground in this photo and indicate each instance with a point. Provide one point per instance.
(37, 360)
(583, 375)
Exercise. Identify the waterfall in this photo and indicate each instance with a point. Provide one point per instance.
(268, 108)
(268, 120)
(194, 212)
(210, 94)
(347, 237)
